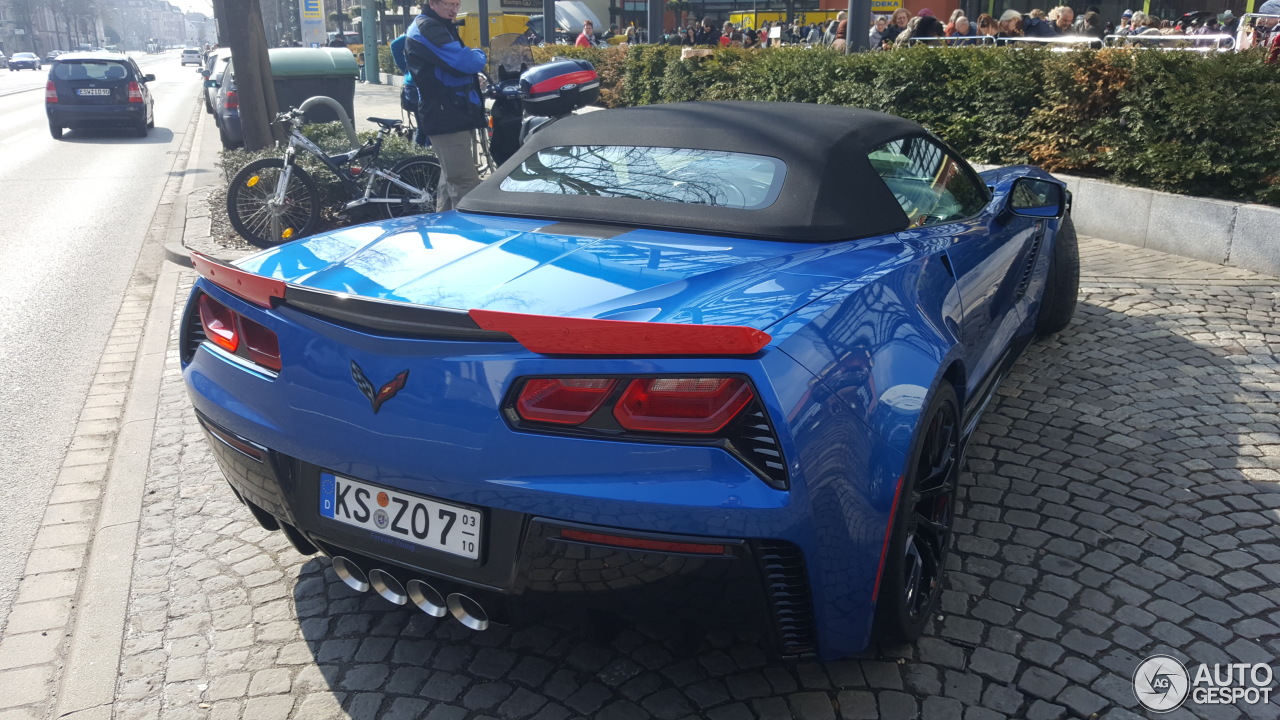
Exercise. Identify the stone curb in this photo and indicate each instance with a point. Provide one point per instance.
(88, 684)
(1242, 235)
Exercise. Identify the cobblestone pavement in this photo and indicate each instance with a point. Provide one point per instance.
(1121, 500)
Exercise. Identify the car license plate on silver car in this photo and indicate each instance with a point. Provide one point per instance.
(392, 513)
(93, 91)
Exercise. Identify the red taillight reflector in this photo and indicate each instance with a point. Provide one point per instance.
(567, 401)
(135, 92)
(686, 405)
(644, 543)
(234, 442)
(589, 336)
(50, 92)
(261, 345)
(232, 101)
(219, 324)
(256, 289)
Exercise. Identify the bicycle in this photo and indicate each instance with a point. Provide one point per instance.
(274, 200)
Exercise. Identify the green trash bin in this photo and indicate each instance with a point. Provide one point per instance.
(301, 73)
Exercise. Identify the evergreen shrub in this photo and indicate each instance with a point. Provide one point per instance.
(1190, 123)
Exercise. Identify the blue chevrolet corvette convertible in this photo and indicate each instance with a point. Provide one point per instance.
(705, 360)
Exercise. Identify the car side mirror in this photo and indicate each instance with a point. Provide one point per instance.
(203, 72)
(212, 83)
(1034, 197)
(148, 78)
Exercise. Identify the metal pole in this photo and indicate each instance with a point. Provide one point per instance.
(857, 33)
(549, 22)
(657, 19)
(484, 23)
(369, 28)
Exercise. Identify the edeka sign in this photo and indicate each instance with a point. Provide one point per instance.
(312, 13)
(885, 6)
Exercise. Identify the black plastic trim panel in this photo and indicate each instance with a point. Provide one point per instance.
(403, 319)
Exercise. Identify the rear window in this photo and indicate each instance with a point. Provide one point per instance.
(91, 70)
(674, 175)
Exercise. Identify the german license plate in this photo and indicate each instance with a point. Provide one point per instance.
(93, 91)
(409, 518)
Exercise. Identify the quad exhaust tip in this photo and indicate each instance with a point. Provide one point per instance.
(350, 573)
(388, 587)
(427, 599)
(468, 611)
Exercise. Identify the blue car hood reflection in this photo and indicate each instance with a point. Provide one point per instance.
(465, 261)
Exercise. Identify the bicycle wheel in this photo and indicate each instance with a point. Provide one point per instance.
(421, 172)
(253, 209)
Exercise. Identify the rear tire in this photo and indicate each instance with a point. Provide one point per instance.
(421, 172)
(227, 143)
(1062, 284)
(55, 131)
(252, 215)
(916, 559)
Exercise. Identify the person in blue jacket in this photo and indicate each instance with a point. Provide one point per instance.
(409, 97)
(450, 109)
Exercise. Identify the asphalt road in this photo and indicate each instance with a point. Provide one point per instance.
(73, 216)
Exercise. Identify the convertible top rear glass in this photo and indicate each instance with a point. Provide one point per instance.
(669, 175)
(822, 187)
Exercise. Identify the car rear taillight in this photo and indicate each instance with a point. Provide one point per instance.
(135, 92)
(714, 411)
(50, 92)
(681, 405)
(239, 335)
(566, 401)
(219, 324)
(261, 345)
(232, 101)
(699, 405)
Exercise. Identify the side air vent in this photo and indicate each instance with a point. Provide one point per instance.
(756, 443)
(191, 333)
(1033, 253)
(787, 586)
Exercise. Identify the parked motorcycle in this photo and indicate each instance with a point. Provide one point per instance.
(527, 97)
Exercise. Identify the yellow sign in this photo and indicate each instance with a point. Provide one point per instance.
(885, 6)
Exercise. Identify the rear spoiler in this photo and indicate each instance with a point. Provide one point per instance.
(543, 334)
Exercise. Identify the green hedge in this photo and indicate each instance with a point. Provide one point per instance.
(1180, 122)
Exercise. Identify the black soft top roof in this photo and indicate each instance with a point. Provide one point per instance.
(830, 191)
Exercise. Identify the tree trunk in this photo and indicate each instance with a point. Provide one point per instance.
(242, 26)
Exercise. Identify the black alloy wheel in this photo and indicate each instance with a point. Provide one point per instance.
(921, 536)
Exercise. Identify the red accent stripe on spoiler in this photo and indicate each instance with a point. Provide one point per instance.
(588, 336)
(255, 288)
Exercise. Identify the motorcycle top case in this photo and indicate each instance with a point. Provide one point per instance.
(559, 87)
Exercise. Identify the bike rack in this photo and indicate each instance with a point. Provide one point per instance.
(339, 110)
